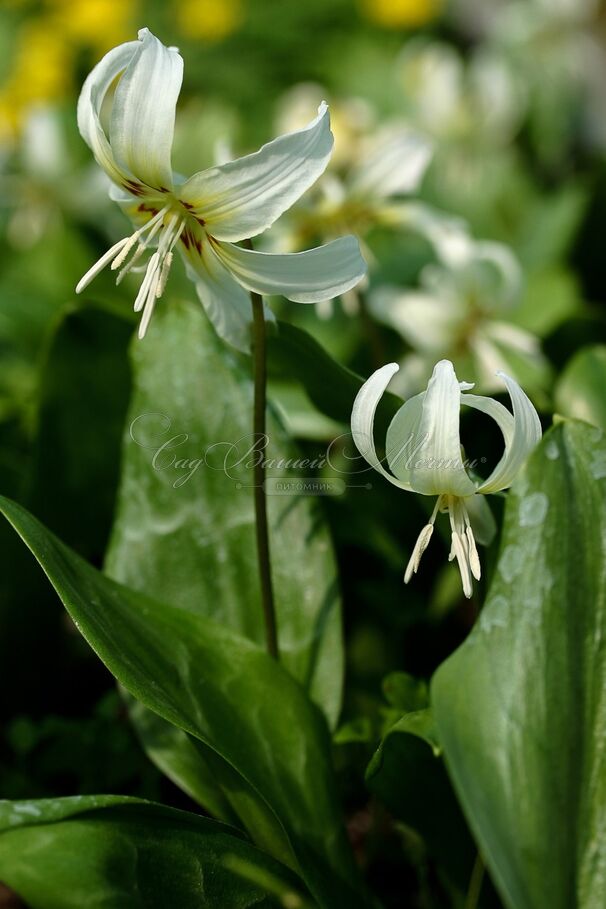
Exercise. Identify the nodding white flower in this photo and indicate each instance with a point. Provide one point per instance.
(206, 215)
(423, 449)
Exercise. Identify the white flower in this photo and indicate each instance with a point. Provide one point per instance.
(423, 449)
(460, 312)
(207, 214)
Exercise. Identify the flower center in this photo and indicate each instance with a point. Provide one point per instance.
(462, 546)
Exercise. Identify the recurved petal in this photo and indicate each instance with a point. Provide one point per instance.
(306, 277)
(143, 113)
(426, 432)
(225, 302)
(493, 409)
(90, 101)
(244, 197)
(521, 433)
(393, 167)
(363, 417)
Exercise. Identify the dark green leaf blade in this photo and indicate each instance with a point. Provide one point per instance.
(184, 531)
(520, 706)
(331, 387)
(221, 689)
(101, 851)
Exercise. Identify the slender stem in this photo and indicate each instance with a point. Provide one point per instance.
(475, 883)
(261, 523)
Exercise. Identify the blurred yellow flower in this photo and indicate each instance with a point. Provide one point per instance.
(98, 24)
(401, 13)
(41, 72)
(210, 20)
(45, 52)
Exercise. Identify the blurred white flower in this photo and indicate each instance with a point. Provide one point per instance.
(423, 451)
(206, 215)
(460, 311)
(479, 100)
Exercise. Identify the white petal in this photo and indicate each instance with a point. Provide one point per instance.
(520, 432)
(448, 235)
(143, 112)
(507, 267)
(90, 101)
(427, 323)
(423, 440)
(481, 519)
(244, 197)
(305, 277)
(493, 409)
(363, 416)
(226, 303)
(394, 166)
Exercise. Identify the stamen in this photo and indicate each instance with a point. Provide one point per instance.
(459, 543)
(417, 553)
(152, 266)
(421, 544)
(129, 265)
(127, 248)
(163, 278)
(474, 559)
(150, 228)
(462, 559)
(100, 264)
(147, 314)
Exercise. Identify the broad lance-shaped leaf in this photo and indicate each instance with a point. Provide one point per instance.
(102, 851)
(580, 389)
(224, 691)
(520, 707)
(184, 531)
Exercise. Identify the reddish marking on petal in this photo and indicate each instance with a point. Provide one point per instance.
(187, 205)
(186, 239)
(135, 188)
(201, 221)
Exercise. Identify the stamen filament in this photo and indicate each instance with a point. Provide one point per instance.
(421, 544)
(100, 264)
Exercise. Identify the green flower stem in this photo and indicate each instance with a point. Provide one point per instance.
(475, 883)
(261, 523)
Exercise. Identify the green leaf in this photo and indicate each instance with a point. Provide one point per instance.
(551, 224)
(224, 691)
(330, 387)
(85, 345)
(185, 530)
(420, 723)
(412, 782)
(404, 692)
(408, 713)
(102, 851)
(520, 705)
(580, 389)
(549, 297)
